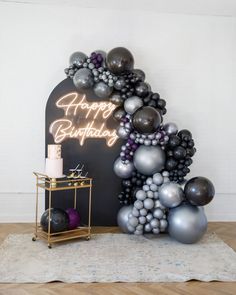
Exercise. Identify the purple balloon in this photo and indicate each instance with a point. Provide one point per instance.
(74, 218)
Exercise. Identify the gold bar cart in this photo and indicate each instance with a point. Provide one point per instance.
(53, 185)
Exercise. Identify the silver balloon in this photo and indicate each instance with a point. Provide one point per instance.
(77, 58)
(187, 223)
(102, 90)
(149, 159)
(148, 204)
(122, 169)
(133, 221)
(122, 133)
(158, 213)
(122, 218)
(132, 104)
(157, 179)
(171, 128)
(140, 195)
(83, 79)
(147, 227)
(170, 194)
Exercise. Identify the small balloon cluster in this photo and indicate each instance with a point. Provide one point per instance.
(60, 220)
(156, 157)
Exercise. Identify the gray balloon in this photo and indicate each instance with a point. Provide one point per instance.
(116, 99)
(83, 79)
(149, 159)
(122, 133)
(132, 104)
(171, 128)
(77, 58)
(148, 203)
(187, 223)
(122, 218)
(102, 90)
(170, 194)
(123, 170)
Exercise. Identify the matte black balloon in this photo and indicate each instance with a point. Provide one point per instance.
(199, 191)
(171, 163)
(146, 120)
(185, 133)
(119, 113)
(120, 60)
(179, 152)
(174, 141)
(142, 89)
(59, 220)
(139, 74)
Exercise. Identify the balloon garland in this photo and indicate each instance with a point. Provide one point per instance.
(155, 158)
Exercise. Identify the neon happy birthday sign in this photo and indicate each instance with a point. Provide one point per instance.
(83, 119)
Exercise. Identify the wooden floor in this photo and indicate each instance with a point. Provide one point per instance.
(227, 231)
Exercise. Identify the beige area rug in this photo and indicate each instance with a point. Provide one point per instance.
(116, 258)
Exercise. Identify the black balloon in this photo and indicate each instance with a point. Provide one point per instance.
(171, 163)
(146, 120)
(199, 191)
(116, 99)
(185, 134)
(59, 220)
(142, 89)
(174, 141)
(139, 74)
(120, 60)
(179, 152)
(119, 113)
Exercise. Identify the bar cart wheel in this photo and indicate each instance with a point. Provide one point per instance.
(88, 238)
(34, 239)
(49, 246)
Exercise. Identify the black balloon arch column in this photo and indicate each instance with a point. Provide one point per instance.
(155, 157)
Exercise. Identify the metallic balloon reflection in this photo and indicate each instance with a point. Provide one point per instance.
(187, 224)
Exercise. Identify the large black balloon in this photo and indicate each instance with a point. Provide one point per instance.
(59, 220)
(120, 60)
(199, 191)
(146, 120)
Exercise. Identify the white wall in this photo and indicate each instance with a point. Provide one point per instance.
(189, 59)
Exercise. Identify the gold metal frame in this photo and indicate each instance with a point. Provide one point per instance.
(52, 185)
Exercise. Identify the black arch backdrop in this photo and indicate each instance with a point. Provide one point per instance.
(106, 116)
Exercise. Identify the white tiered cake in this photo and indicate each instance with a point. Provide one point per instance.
(54, 162)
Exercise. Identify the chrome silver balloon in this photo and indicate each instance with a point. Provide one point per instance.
(132, 103)
(102, 90)
(140, 195)
(170, 194)
(122, 218)
(171, 128)
(149, 159)
(122, 132)
(83, 79)
(148, 204)
(77, 58)
(123, 170)
(187, 223)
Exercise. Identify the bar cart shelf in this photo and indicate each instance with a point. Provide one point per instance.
(53, 185)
